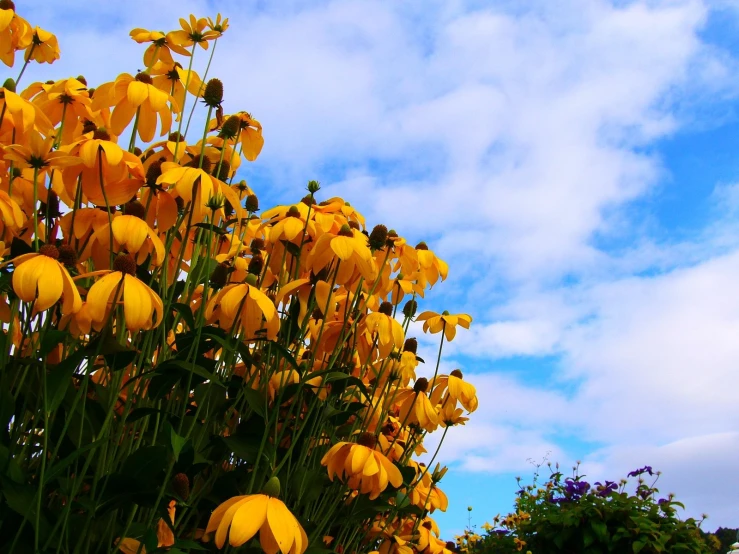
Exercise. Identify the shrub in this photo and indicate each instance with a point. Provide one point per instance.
(570, 515)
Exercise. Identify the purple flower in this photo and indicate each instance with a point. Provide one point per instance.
(605, 490)
(575, 489)
(641, 470)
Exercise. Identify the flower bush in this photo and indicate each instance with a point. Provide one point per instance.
(571, 515)
(178, 370)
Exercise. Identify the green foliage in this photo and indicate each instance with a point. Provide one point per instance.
(568, 515)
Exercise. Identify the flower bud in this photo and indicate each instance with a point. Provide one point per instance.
(410, 308)
(314, 186)
(367, 439)
(67, 255)
(411, 345)
(50, 251)
(213, 95)
(272, 488)
(135, 208)
(252, 203)
(231, 127)
(101, 134)
(125, 264)
(144, 78)
(219, 277)
(386, 308)
(421, 384)
(378, 237)
(256, 265)
(181, 485)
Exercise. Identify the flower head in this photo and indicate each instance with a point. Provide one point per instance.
(242, 517)
(434, 323)
(41, 279)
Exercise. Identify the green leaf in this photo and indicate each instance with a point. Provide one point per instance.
(178, 443)
(146, 465)
(60, 377)
(255, 401)
(58, 468)
(52, 337)
(638, 545)
(186, 313)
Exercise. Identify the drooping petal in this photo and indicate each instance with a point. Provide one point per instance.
(248, 518)
(279, 522)
(137, 306)
(99, 294)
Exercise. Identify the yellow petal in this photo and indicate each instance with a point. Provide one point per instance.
(137, 92)
(99, 295)
(136, 303)
(248, 519)
(343, 247)
(280, 522)
(227, 518)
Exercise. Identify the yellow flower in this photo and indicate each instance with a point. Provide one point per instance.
(21, 115)
(456, 390)
(38, 154)
(131, 95)
(15, 34)
(249, 304)
(41, 279)
(160, 47)
(66, 99)
(415, 407)
(134, 235)
(44, 47)
(193, 32)
(12, 217)
(446, 322)
(385, 327)
(219, 25)
(364, 468)
(171, 78)
(241, 517)
(140, 303)
(250, 136)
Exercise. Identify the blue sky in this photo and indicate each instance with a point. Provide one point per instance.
(576, 164)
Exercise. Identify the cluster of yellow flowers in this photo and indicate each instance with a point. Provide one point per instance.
(146, 272)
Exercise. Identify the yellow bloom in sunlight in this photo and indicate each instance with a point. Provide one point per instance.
(41, 279)
(131, 95)
(364, 468)
(12, 216)
(160, 47)
(241, 517)
(452, 387)
(44, 47)
(385, 327)
(250, 136)
(66, 99)
(38, 155)
(15, 34)
(140, 303)
(249, 304)
(219, 25)
(171, 78)
(193, 32)
(415, 407)
(434, 323)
